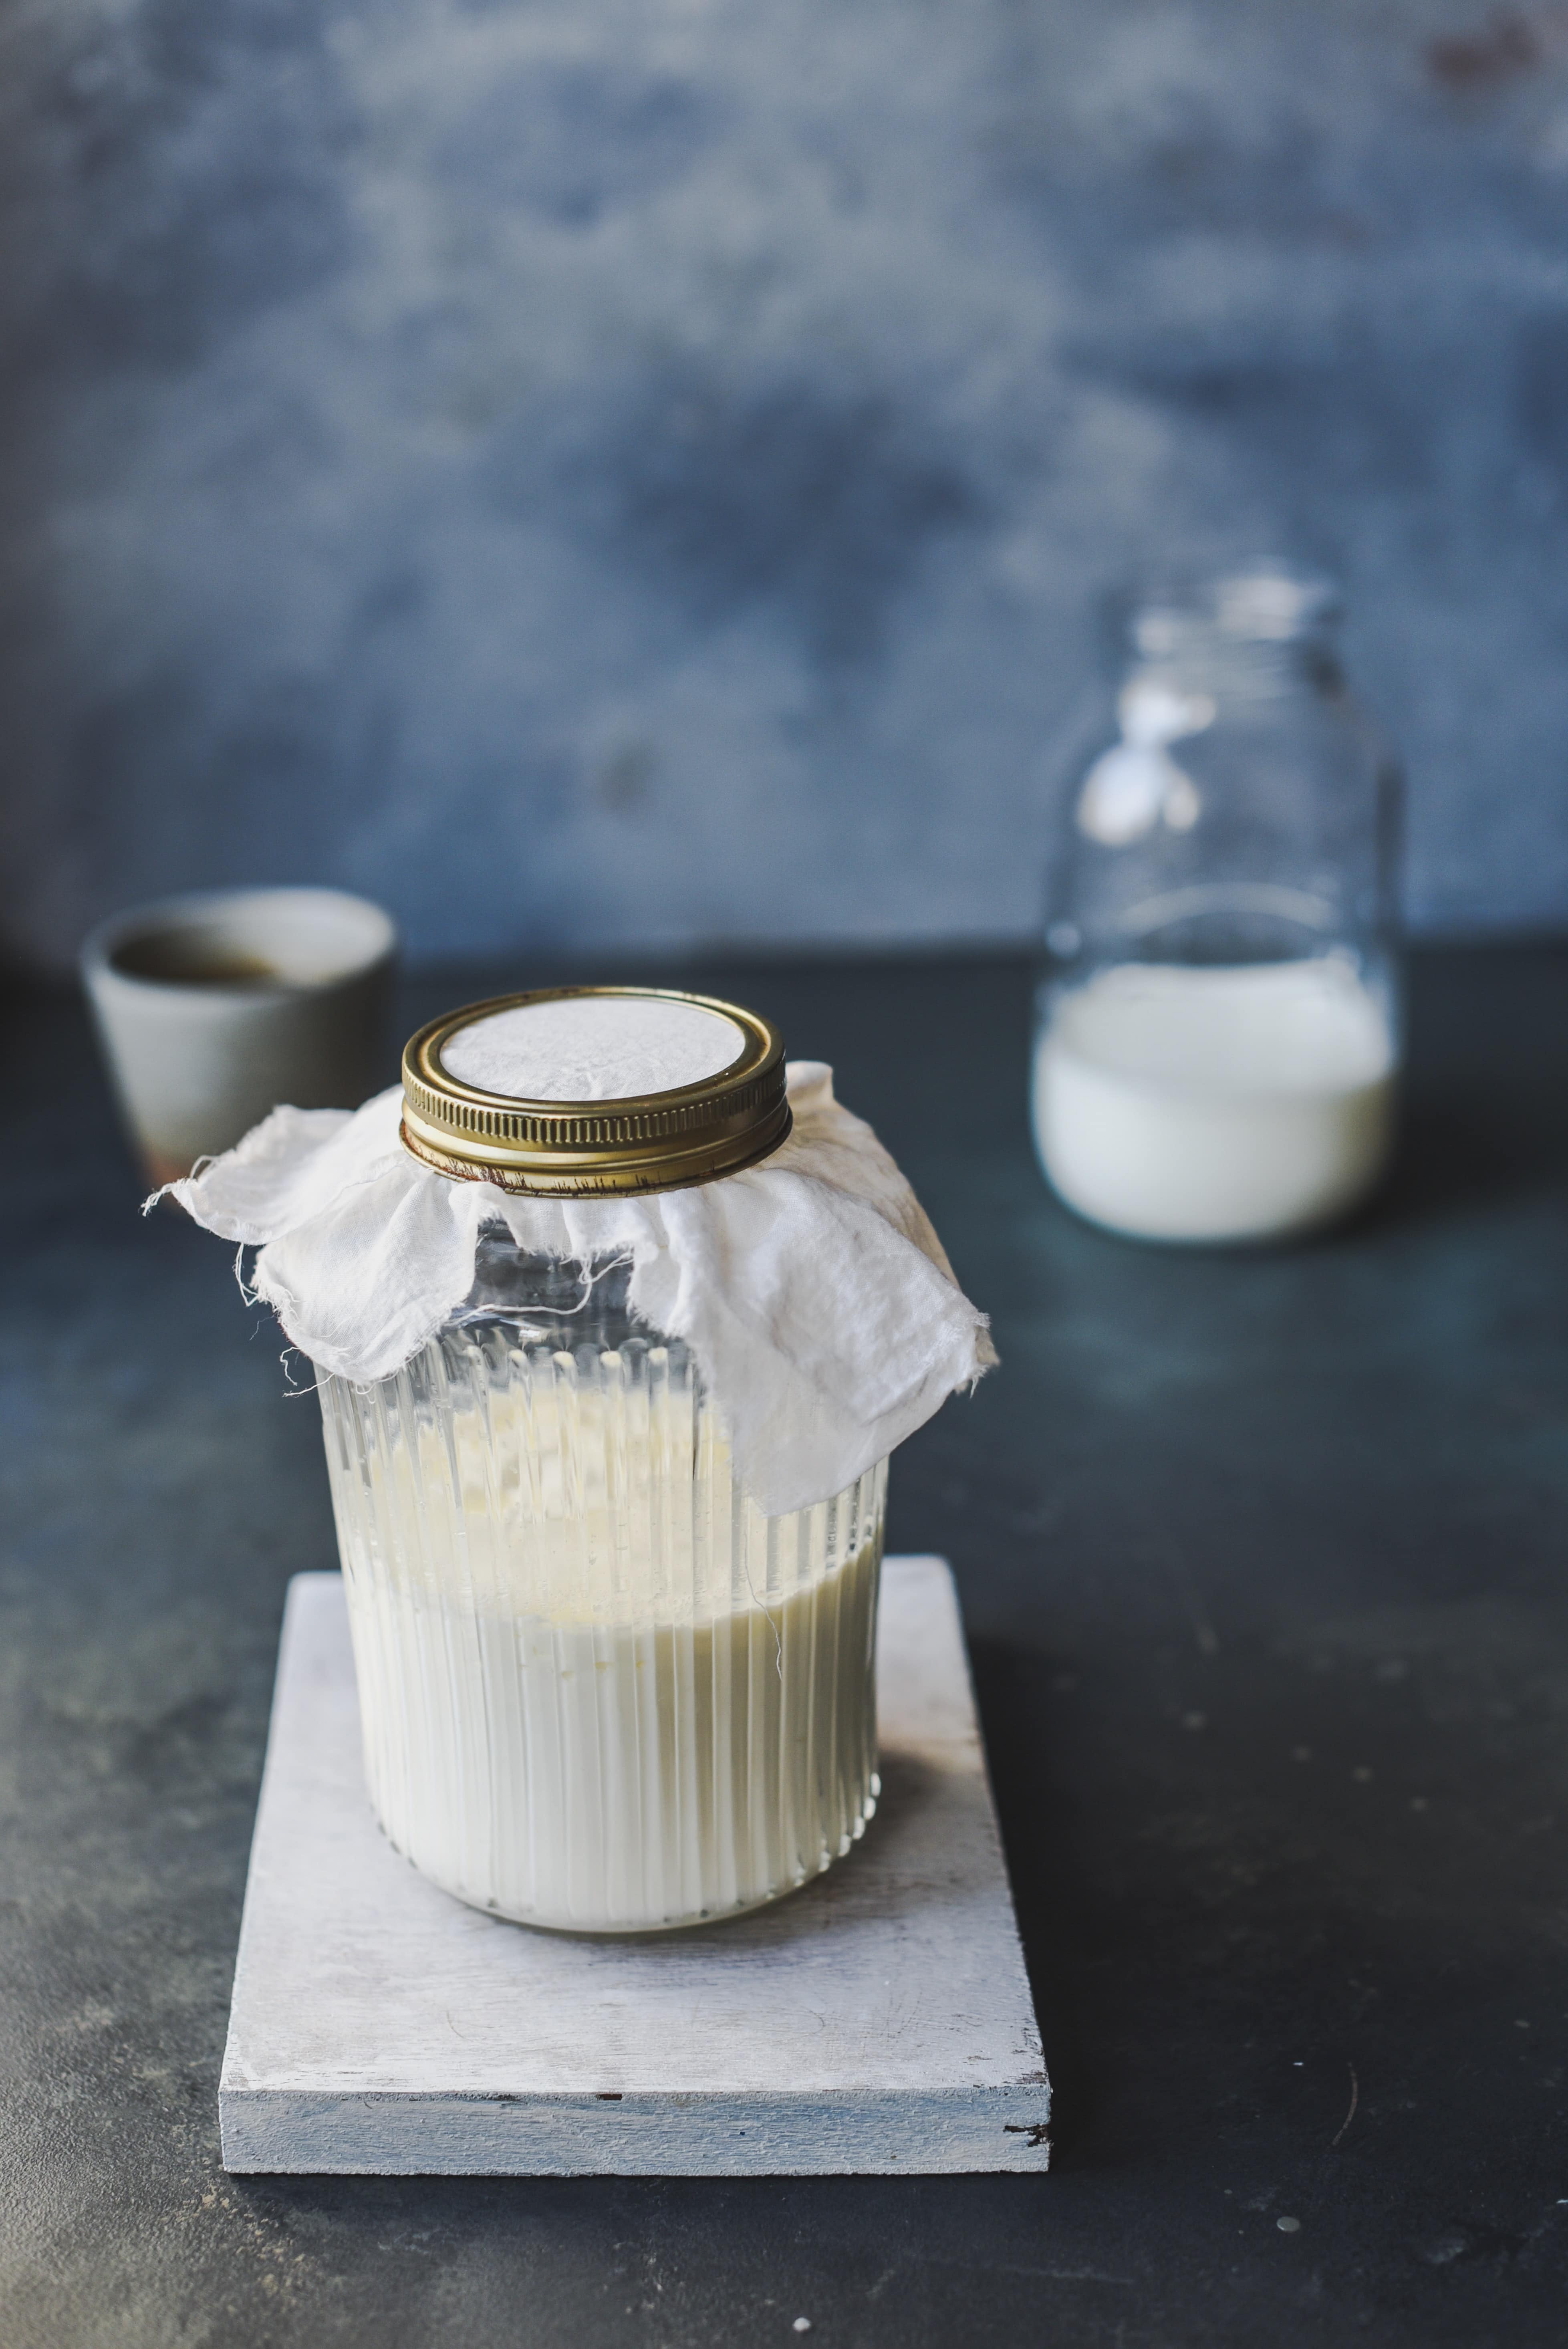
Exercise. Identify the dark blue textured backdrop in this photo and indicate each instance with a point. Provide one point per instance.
(593, 473)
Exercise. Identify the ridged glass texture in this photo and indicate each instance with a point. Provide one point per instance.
(600, 1690)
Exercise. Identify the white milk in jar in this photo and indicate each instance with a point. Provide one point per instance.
(1217, 1051)
(598, 1689)
(1179, 1102)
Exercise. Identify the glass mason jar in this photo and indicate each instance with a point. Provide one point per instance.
(599, 1689)
(1218, 1030)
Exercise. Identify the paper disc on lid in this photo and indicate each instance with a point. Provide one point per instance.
(583, 1048)
(587, 1090)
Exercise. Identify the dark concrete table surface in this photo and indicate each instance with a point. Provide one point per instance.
(1263, 1562)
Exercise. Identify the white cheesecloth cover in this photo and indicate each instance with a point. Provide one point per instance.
(811, 1289)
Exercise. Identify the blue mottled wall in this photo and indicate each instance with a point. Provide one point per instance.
(645, 472)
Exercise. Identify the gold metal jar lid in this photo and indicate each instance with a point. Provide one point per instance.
(713, 1124)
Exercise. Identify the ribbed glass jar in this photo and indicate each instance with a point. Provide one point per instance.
(600, 1690)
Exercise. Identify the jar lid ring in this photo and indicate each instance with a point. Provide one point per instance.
(656, 1141)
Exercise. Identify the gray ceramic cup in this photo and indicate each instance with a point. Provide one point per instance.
(213, 1009)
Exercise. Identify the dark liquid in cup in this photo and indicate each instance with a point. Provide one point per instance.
(187, 959)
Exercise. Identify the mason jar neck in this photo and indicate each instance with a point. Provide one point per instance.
(1254, 634)
(1239, 669)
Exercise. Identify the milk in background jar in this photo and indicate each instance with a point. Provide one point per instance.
(1179, 1102)
(1218, 1042)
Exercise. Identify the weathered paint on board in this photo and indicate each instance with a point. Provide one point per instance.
(880, 2020)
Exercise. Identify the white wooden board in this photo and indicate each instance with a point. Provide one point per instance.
(879, 2020)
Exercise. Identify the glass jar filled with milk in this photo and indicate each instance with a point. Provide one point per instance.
(1218, 1038)
(615, 1317)
(598, 1688)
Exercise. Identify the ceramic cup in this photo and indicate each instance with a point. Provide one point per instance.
(212, 1008)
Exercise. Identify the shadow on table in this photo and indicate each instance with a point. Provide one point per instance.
(1052, 1892)
(1485, 1110)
